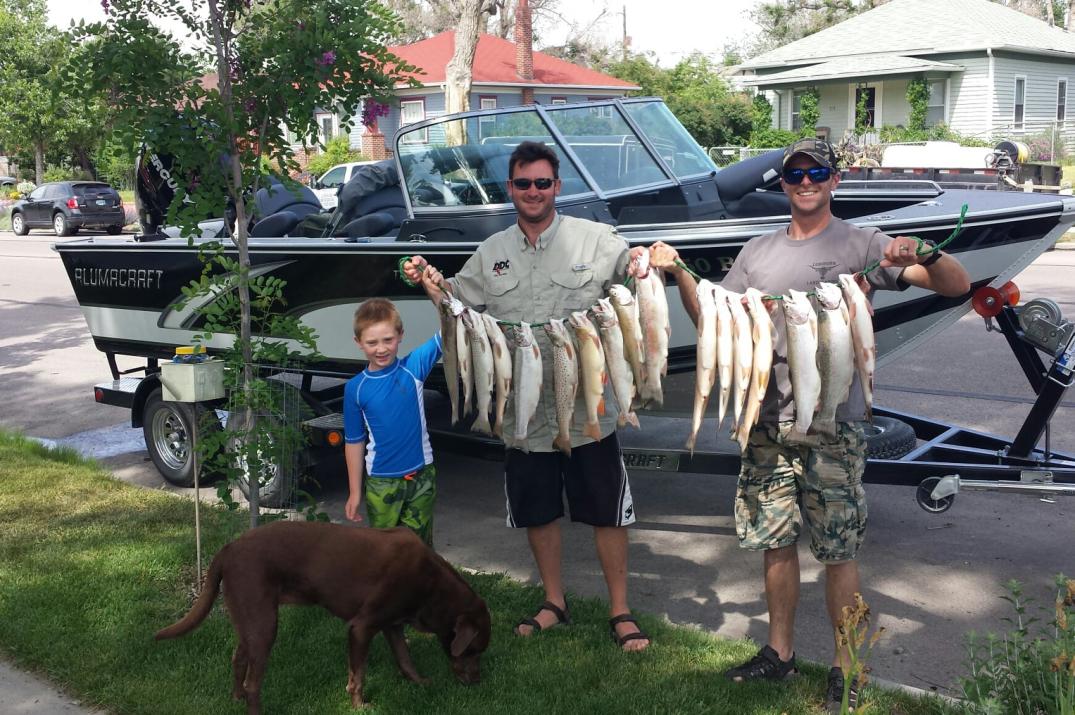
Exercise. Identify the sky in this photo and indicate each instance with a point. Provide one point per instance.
(668, 28)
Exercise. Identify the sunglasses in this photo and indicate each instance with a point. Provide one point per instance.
(524, 184)
(817, 174)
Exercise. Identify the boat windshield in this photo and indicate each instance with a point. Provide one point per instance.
(463, 162)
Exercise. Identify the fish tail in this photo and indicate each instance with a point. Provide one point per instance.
(481, 424)
(825, 427)
(632, 419)
(562, 442)
(690, 442)
(593, 431)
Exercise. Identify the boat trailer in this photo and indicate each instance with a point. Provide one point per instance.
(943, 459)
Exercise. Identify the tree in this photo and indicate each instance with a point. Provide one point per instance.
(39, 117)
(459, 72)
(275, 62)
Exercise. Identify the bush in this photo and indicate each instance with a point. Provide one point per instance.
(1024, 673)
(771, 138)
(337, 151)
(25, 187)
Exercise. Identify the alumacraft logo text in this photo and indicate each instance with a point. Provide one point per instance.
(118, 277)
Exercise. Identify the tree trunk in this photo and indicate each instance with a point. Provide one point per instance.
(1050, 16)
(1068, 13)
(458, 73)
(39, 163)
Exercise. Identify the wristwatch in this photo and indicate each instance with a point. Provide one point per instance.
(933, 257)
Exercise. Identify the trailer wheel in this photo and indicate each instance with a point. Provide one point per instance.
(924, 497)
(277, 478)
(889, 438)
(166, 427)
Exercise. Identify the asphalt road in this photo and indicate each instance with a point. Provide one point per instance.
(930, 578)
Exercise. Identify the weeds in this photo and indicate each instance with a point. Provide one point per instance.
(852, 635)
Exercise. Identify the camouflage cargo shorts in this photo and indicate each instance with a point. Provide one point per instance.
(825, 473)
(402, 501)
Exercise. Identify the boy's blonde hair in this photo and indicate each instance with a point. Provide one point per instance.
(377, 310)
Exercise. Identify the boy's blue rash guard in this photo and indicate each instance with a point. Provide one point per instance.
(385, 408)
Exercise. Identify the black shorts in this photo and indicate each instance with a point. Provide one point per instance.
(593, 477)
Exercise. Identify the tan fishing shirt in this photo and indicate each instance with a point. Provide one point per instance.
(574, 263)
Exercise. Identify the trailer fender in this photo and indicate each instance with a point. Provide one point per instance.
(150, 383)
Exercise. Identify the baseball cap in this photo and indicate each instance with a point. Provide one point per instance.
(817, 149)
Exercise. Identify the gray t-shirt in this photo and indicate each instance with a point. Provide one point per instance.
(774, 264)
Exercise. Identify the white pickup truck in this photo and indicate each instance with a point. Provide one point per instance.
(330, 182)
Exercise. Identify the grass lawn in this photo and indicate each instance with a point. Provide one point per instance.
(90, 568)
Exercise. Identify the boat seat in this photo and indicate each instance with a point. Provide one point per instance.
(280, 223)
(760, 203)
(379, 223)
(296, 198)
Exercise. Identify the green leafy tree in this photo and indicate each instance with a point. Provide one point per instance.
(41, 120)
(337, 151)
(918, 98)
(809, 112)
(274, 62)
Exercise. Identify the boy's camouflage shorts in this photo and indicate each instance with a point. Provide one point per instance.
(780, 468)
(399, 501)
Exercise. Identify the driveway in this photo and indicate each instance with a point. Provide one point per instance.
(929, 578)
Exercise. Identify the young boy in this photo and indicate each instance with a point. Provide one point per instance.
(383, 406)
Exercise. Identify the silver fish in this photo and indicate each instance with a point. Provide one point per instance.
(619, 372)
(835, 355)
(725, 348)
(450, 353)
(481, 355)
(591, 371)
(706, 355)
(462, 352)
(565, 381)
(527, 378)
(862, 337)
(801, 322)
(623, 300)
(502, 366)
(761, 363)
(742, 355)
(656, 329)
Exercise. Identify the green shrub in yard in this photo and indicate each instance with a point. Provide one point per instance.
(337, 151)
(1024, 672)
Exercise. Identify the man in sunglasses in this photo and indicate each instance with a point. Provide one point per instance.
(782, 469)
(547, 266)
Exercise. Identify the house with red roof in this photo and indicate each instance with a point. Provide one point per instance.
(505, 74)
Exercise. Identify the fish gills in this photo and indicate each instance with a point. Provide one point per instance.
(801, 321)
(862, 337)
(481, 356)
(835, 355)
(502, 367)
(565, 381)
(526, 377)
(705, 371)
(591, 371)
(761, 363)
(725, 347)
(623, 300)
(619, 372)
(742, 355)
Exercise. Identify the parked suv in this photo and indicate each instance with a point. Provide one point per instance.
(67, 206)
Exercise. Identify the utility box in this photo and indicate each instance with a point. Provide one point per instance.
(192, 381)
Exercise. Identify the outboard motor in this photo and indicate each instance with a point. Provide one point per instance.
(158, 182)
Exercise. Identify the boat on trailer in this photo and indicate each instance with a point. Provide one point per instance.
(625, 162)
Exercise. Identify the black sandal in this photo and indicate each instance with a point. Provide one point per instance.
(621, 640)
(563, 618)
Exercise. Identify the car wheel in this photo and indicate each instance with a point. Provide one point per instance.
(59, 225)
(167, 428)
(889, 438)
(114, 230)
(18, 225)
(277, 474)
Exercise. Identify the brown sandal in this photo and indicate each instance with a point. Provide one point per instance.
(621, 640)
(563, 617)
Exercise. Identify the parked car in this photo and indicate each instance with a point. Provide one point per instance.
(67, 206)
(330, 182)
(7, 183)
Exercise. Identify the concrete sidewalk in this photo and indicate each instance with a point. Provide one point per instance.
(24, 694)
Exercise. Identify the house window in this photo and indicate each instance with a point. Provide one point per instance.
(326, 124)
(866, 99)
(1061, 99)
(796, 109)
(558, 100)
(486, 123)
(1020, 99)
(935, 102)
(604, 112)
(411, 111)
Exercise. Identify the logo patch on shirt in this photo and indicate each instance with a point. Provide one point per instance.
(501, 267)
(823, 268)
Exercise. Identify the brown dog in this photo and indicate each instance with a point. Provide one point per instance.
(376, 580)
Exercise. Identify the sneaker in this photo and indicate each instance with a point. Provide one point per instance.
(835, 695)
(766, 665)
